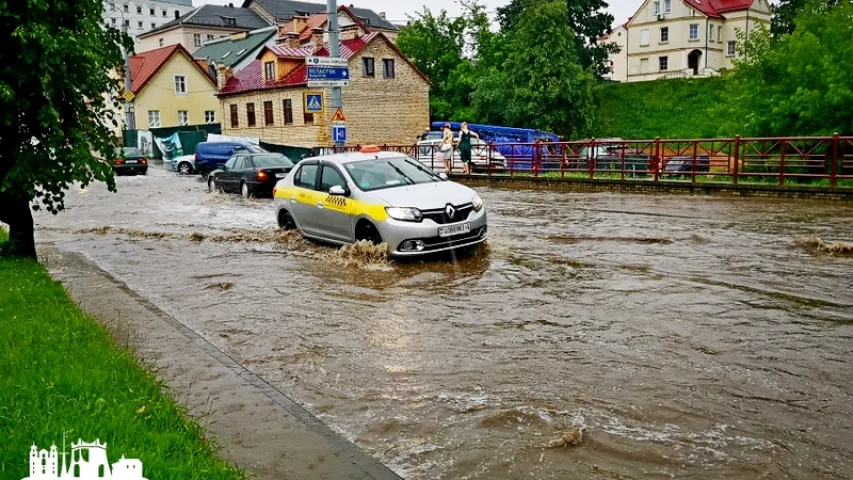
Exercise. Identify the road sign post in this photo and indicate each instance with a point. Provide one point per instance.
(335, 52)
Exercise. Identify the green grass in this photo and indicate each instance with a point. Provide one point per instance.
(61, 372)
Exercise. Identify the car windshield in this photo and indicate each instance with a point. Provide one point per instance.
(389, 173)
(272, 161)
(131, 152)
(251, 149)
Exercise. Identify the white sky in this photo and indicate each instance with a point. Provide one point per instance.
(397, 10)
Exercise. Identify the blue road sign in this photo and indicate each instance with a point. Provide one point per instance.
(314, 102)
(328, 73)
(339, 133)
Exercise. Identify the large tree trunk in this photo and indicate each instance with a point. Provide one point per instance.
(17, 214)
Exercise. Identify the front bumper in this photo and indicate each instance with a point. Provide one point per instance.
(396, 233)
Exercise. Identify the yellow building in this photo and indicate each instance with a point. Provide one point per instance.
(685, 38)
(172, 89)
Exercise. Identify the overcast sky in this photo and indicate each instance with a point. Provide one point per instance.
(397, 10)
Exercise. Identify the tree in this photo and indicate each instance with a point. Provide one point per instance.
(784, 13)
(545, 87)
(53, 112)
(586, 18)
(799, 83)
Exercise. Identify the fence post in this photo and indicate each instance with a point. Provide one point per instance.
(623, 162)
(563, 159)
(536, 159)
(511, 159)
(490, 146)
(591, 159)
(782, 163)
(833, 172)
(737, 159)
(658, 160)
(695, 151)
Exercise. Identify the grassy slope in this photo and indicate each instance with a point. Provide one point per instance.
(60, 371)
(680, 108)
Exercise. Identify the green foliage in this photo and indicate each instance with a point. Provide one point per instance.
(678, 108)
(786, 11)
(56, 57)
(797, 84)
(60, 372)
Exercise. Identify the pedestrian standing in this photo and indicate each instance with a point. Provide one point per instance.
(465, 147)
(445, 148)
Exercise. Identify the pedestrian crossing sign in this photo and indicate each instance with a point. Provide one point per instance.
(314, 102)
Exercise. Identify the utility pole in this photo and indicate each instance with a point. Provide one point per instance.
(334, 52)
(130, 117)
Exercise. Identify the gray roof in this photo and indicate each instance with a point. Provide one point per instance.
(286, 9)
(231, 52)
(186, 3)
(217, 16)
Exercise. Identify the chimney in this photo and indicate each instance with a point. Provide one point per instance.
(299, 23)
(288, 40)
(223, 74)
(317, 39)
(349, 32)
(382, 15)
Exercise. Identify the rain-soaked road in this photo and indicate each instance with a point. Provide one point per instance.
(691, 337)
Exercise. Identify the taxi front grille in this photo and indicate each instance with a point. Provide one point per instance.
(440, 216)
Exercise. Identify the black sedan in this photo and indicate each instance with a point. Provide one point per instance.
(130, 160)
(250, 174)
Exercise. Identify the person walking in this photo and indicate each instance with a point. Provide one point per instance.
(465, 147)
(445, 148)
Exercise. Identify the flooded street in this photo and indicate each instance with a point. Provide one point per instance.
(596, 336)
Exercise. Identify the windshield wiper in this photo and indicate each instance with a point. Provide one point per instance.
(411, 182)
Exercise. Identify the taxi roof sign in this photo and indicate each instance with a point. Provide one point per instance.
(370, 149)
(339, 116)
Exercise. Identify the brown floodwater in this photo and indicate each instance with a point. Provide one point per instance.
(596, 336)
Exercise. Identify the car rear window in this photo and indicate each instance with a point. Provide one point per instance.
(272, 161)
(132, 152)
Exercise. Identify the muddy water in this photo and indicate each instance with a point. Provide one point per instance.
(597, 336)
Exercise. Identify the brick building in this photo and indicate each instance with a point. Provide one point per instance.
(386, 102)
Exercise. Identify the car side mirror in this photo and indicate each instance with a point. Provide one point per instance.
(442, 176)
(338, 190)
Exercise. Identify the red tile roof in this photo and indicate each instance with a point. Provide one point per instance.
(711, 8)
(705, 7)
(250, 78)
(723, 6)
(143, 66)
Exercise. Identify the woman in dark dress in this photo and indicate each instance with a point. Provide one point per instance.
(465, 147)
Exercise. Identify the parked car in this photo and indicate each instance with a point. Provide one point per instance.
(184, 165)
(250, 174)
(684, 165)
(209, 156)
(607, 155)
(130, 160)
(428, 151)
(380, 197)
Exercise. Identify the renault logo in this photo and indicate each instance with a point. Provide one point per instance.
(450, 211)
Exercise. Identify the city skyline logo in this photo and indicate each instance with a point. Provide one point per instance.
(88, 461)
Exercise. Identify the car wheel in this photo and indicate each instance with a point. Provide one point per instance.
(185, 168)
(366, 231)
(245, 190)
(285, 221)
(211, 185)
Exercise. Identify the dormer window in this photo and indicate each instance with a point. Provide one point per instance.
(229, 21)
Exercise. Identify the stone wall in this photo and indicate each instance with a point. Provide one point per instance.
(661, 187)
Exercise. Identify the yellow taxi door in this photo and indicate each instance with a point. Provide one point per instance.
(334, 211)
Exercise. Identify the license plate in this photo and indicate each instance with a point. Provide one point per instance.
(280, 175)
(451, 230)
(131, 161)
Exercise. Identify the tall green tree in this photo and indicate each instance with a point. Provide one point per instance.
(588, 20)
(786, 11)
(543, 84)
(799, 83)
(56, 57)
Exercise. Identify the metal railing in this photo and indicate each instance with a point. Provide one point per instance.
(821, 161)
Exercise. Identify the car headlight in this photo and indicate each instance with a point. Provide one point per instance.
(405, 214)
(478, 203)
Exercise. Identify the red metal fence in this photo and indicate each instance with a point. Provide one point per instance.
(823, 161)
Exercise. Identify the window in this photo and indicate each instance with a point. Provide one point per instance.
(663, 63)
(151, 12)
(330, 178)
(112, 6)
(667, 6)
(153, 118)
(235, 118)
(644, 65)
(153, 25)
(161, 42)
(307, 176)
(288, 112)
(196, 39)
(209, 36)
(308, 118)
(140, 24)
(113, 21)
(139, 10)
(657, 8)
(231, 163)
(664, 34)
(183, 118)
(177, 13)
(180, 85)
(268, 114)
(730, 48)
(644, 38)
(720, 34)
(127, 8)
(127, 23)
(367, 67)
(250, 114)
(694, 31)
(210, 117)
(269, 71)
(710, 33)
(165, 13)
(388, 68)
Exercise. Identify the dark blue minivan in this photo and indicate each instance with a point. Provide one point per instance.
(211, 155)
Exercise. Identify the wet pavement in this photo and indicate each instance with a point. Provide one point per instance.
(595, 336)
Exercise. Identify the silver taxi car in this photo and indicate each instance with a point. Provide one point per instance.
(380, 197)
